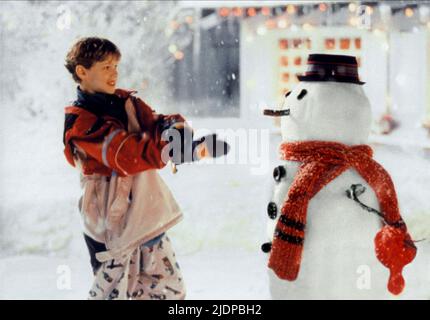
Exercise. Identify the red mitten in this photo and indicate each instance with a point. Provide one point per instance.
(395, 249)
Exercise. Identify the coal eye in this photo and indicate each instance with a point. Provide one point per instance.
(287, 94)
(302, 94)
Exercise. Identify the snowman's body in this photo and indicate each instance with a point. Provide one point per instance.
(338, 260)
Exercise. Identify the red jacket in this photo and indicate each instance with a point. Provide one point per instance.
(104, 145)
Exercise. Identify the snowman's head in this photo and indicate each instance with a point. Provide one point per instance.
(327, 111)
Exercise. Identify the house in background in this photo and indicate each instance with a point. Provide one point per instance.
(244, 56)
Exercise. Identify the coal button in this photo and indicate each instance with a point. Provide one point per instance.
(278, 173)
(266, 247)
(272, 210)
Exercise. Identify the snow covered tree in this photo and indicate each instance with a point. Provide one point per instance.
(36, 35)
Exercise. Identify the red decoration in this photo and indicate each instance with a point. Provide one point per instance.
(283, 44)
(387, 123)
(224, 12)
(252, 12)
(237, 12)
(357, 42)
(344, 43)
(265, 11)
(395, 249)
(330, 43)
(284, 61)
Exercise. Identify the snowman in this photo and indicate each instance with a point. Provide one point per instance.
(335, 231)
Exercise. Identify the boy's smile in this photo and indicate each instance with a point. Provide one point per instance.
(100, 77)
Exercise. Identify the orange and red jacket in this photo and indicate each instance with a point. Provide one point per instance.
(103, 145)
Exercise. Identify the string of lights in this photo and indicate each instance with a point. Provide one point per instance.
(376, 16)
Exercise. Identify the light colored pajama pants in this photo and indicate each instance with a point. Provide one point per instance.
(148, 273)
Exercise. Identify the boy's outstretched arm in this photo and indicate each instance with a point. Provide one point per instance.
(164, 128)
(107, 143)
(175, 126)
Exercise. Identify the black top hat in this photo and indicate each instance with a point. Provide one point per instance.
(331, 67)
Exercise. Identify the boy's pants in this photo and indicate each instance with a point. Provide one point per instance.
(149, 272)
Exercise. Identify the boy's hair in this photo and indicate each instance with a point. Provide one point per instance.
(88, 51)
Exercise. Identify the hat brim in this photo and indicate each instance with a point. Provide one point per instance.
(316, 78)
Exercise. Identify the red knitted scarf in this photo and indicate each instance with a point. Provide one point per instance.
(321, 163)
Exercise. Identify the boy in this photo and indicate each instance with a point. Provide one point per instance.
(115, 139)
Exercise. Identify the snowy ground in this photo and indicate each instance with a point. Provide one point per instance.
(217, 243)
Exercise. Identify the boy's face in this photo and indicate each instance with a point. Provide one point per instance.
(100, 77)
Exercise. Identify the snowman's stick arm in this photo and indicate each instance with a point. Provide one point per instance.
(357, 189)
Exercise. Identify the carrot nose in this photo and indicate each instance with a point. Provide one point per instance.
(276, 113)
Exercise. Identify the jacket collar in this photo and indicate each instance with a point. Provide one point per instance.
(103, 104)
(95, 100)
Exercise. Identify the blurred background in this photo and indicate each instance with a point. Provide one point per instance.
(220, 63)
